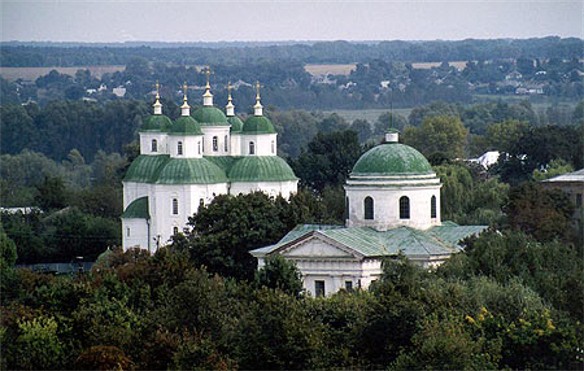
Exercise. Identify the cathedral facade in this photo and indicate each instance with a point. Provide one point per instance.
(187, 162)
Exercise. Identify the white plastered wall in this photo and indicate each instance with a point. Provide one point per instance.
(286, 188)
(265, 144)
(190, 146)
(134, 233)
(220, 132)
(146, 143)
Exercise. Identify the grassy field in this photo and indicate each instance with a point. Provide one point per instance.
(459, 65)
(32, 73)
(329, 69)
(371, 115)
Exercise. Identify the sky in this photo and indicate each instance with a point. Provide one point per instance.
(268, 20)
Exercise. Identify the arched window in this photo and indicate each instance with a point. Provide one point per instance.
(251, 148)
(404, 208)
(175, 230)
(226, 144)
(175, 206)
(154, 145)
(273, 146)
(215, 144)
(368, 206)
(346, 208)
(201, 202)
(179, 148)
(433, 207)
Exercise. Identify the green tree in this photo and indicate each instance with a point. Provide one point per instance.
(52, 194)
(279, 273)
(545, 214)
(438, 134)
(328, 159)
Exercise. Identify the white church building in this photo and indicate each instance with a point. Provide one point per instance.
(393, 207)
(186, 163)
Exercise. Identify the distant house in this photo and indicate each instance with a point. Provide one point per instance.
(487, 159)
(119, 92)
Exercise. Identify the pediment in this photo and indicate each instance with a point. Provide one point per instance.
(317, 247)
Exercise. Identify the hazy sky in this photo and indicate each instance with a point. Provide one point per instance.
(191, 20)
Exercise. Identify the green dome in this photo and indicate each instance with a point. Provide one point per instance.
(258, 125)
(156, 123)
(137, 209)
(190, 171)
(236, 124)
(185, 125)
(261, 169)
(210, 116)
(145, 169)
(392, 159)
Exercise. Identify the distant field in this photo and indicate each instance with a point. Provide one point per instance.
(329, 69)
(32, 73)
(371, 115)
(459, 65)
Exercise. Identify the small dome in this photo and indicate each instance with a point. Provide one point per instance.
(258, 125)
(392, 159)
(185, 125)
(190, 171)
(210, 116)
(236, 124)
(261, 169)
(156, 123)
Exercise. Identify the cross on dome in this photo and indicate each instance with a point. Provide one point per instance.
(207, 96)
(258, 108)
(185, 108)
(157, 105)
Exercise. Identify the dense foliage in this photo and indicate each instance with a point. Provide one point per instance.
(479, 311)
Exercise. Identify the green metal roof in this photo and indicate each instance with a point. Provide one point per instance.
(137, 209)
(224, 162)
(437, 241)
(156, 123)
(185, 125)
(190, 171)
(392, 159)
(145, 169)
(210, 116)
(261, 168)
(236, 124)
(258, 125)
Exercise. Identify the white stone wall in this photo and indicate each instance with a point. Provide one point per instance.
(146, 143)
(133, 191)
(386, 206)
(265, 144)
(191, 146)
(336, 272)
(235, 148)
(188, 196)
(286, 189)
(220, 132)
(135, 234)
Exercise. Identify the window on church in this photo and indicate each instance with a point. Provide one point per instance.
(346, 216)
(319, 288)
(127, 232)
(175, 206)
(175, 230)
(226, 144)
(273, 147)
(404, 208)
(199, 147)
(154, 145)
(349, 285)
(179, 148)
(215, 144)
(251, 148)
(433, 207)
(368, 206)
